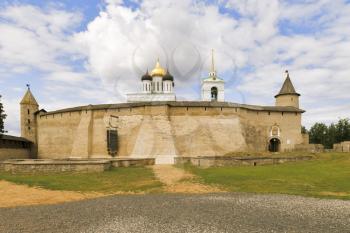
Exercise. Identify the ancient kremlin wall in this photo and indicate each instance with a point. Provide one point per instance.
(166, 129)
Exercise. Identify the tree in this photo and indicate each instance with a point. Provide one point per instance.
(328, 135)
(318, 133)
(2, 118)
(331, 136)
(342, 130)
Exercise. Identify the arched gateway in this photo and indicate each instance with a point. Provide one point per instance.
(274, 145)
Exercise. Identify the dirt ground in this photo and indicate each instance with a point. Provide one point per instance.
(175, 179)
(179, 181)
(21, 195)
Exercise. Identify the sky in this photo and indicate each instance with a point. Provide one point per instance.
(95, 51)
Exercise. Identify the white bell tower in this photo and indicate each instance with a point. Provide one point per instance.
(213, 87)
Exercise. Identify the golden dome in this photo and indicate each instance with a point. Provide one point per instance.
(158, 70)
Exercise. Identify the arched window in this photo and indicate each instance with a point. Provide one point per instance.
(214, 93)
(275, 131)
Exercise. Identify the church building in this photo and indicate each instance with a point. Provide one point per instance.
(157, 86)
(154, 124)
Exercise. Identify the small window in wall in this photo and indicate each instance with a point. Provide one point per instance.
(28, 127)
(28, 111)
(112, 142)
(28, 121)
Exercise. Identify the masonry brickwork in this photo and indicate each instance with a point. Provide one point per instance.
(166, 129)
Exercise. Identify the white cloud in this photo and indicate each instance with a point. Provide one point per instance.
(253, 48)
(36, 38)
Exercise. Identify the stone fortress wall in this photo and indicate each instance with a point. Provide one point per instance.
(166, 129)
(12, 147)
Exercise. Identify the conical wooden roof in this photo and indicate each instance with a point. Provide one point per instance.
(287, 87)
(28, 98)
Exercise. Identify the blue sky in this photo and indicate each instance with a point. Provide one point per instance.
(89, 52)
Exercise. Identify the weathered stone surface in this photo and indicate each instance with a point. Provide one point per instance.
(221, 161)
(342, 147)
(168, 130)
(31, 166)
(14, 153)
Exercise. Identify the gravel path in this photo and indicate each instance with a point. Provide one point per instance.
(182, 213)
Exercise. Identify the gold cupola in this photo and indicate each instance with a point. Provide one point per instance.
(158, 70)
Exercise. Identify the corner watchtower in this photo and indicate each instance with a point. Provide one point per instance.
(287, 95)
(29, 107)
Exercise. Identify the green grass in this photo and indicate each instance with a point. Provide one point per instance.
(327, 176)
(137, 179)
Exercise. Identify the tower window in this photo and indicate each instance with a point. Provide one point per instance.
(28, 121)
(28, 112)
(214, 93)
(28, 127)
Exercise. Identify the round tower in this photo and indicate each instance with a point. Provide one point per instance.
(287, 95)
(29, 108)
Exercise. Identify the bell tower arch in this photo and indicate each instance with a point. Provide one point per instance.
(213, 87)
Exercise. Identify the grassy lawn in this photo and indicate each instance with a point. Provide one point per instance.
(136, 179)
(327, 176)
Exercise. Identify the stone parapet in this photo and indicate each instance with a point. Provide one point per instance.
(314, 148)
(342, 147)
(31, 166)
(222, 161)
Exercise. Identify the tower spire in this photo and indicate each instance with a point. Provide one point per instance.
(212, 61)
(212, 72)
